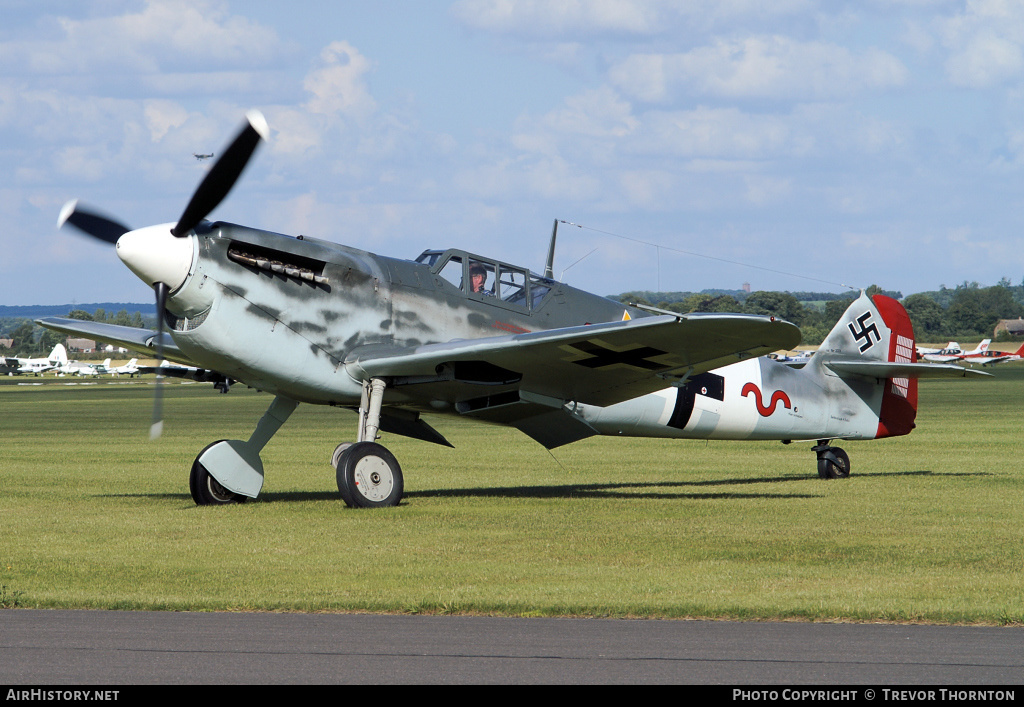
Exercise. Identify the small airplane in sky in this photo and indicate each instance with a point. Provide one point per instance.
(462, 334)
(200, 157)
(37, 366)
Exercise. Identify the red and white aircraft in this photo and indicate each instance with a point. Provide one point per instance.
(982, 354)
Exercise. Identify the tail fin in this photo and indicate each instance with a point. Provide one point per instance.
(59, 354)
(983, 346)
(871, 340)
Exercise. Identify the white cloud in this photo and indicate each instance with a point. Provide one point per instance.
(338, 85)
(161, 116)
(985, 60)
(561, 18)
(552, 17)
(985, 43)
(722, 133)
(773, 67)
(598, 113)
(164, 35)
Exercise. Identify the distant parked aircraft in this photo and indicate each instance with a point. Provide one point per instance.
(131, 368)
(922, 351)
(796, 361)
(37, 366)
(954, 353)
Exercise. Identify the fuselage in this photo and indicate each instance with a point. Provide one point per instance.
(284, 314)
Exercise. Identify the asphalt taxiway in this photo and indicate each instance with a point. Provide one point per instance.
(144, 648)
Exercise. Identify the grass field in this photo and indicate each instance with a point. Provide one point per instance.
(928, 528)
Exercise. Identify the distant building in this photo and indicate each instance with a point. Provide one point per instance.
(1014, 327)
(81, 345)
(6, 343)
(746, 287)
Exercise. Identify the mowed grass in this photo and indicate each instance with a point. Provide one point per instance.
(94, 515)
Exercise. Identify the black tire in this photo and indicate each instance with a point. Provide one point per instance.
(834, 463)
(369, 476)
(206, 491)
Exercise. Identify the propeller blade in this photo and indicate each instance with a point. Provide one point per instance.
(224, 173)
(93, 224)
(157, 428)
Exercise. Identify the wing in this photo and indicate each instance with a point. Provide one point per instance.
(141, 340)
(527, 380)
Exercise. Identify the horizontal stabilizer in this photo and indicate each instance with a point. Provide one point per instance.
(886, 369)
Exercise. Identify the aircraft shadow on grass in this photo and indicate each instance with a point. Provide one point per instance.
(654, 489)
(650, 490)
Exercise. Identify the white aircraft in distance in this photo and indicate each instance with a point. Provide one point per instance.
(922, 350)
(455, 333)
(92, 369)
(37, 366)
(130, 369)
(797, 360)
(954, 352)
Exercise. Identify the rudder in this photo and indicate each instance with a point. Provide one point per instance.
(899, 397)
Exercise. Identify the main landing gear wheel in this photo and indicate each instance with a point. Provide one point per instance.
(833, 463)
(369, 476)
(206, 491)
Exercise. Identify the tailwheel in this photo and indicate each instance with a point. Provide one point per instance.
(369, 476)
(207, 491)
(833, 462)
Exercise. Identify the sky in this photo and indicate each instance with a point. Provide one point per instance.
(792, 145)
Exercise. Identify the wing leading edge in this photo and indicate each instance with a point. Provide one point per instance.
(141, 340)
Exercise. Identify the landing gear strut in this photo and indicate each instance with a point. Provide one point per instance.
(368, 474)
(833, 462)
(231, 470)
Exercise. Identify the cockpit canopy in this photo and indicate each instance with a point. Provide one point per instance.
(488, 279)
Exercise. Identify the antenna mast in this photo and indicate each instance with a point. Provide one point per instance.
(549, 268)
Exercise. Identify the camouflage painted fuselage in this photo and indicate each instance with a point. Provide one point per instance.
(284, 314)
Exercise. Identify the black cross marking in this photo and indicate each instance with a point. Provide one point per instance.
(601, 357)
(865, 332)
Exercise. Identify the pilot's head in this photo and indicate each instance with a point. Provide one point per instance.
(477, 277)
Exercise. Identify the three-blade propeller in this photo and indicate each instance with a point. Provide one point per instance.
(210, 192)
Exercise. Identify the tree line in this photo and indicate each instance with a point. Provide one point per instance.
(31, 340)
(966, 312)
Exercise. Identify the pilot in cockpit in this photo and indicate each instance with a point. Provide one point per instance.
(478, 280)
